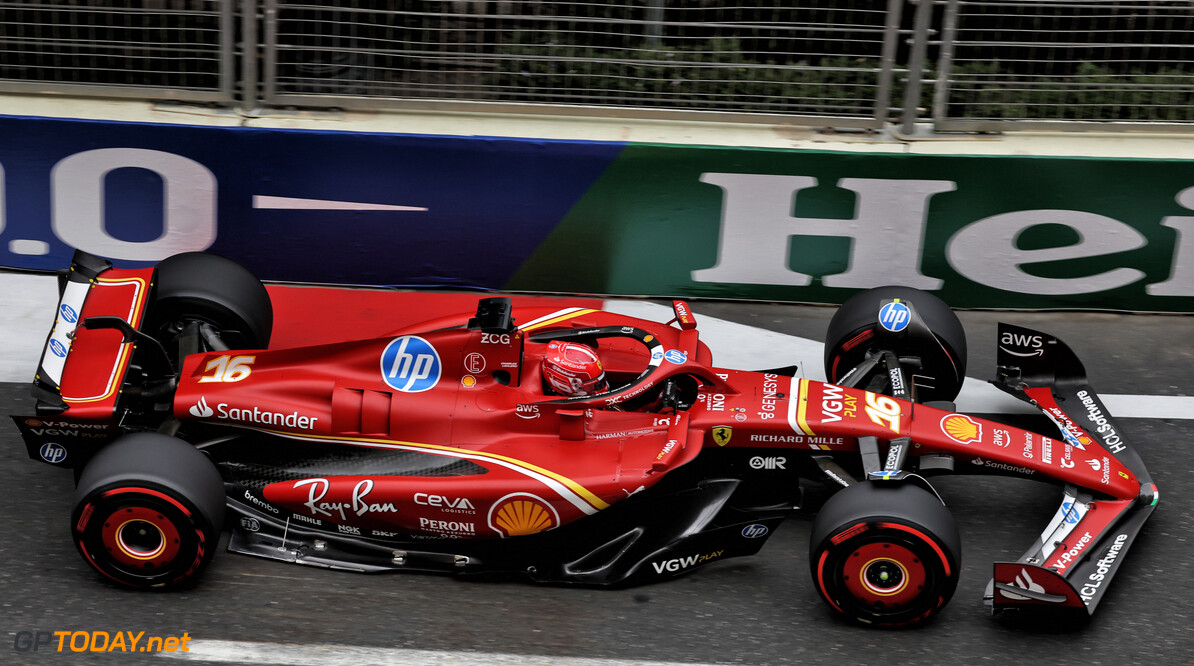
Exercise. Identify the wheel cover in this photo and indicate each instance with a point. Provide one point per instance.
(140, 536)
(884, 574)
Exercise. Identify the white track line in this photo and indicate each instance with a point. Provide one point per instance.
(28, 302)
(243, 652)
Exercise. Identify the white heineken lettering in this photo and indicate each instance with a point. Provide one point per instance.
(1096, 579)
(757, 224)
(887, 234)
(255, 415)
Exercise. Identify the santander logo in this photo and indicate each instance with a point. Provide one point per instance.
(201, 409)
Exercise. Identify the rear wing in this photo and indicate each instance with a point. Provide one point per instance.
(1070, 566)
(81, 369)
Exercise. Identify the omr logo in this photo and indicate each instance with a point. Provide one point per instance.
(895, 317)
(410, 364)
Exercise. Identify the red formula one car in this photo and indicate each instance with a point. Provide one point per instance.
(437, 448)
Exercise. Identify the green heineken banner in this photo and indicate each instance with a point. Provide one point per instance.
(602, 217)
(985, 232)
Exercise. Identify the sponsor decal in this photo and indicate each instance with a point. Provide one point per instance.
(253, 499)
(682, 563)
(1003, 438)
(448, 528)
(895, 317)
(667, 448)
(307, 519)
(797, 439)
(897, 380)
(254, 416)
(1096, 418)
(250, 524)
(961, 428)
(995, 464)
(495, 339)
(58, 348)
(1027, 449)
(519, 514)
(771, 462)
(1023, 581)
(410, 364)
(755, 531)
(1029, 345)
(383, 534)
(474, 363)
(1073, 513)
(1046, 449)
(1096, 579)
(714, 402)
(722, 435)
(770, 393)
(317, 489)
(1068, 557)
(445, 503)
(468, 381)
(68, 314)
(527, 411)
(1069, 432)
(349, 529)
(52, 453)
(675, 356)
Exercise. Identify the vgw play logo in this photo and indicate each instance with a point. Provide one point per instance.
(410, 364)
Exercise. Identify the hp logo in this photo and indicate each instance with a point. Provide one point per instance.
(68, 314)
(895, 317)
(755, 531)
(52, 453)
(410, 364)
(58, 348)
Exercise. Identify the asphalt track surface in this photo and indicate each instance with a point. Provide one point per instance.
(758, 610)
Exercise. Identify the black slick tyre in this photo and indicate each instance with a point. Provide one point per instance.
(885, 555)
(148, 511)
(853, 331)
(208, 288)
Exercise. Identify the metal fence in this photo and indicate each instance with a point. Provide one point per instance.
(965, 65)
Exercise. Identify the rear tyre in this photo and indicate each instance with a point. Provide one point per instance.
(148, 511)
(207, 288)
(885, 556)
(852, 333)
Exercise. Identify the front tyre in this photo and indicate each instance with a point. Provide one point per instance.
(885, 555)
(148, 511)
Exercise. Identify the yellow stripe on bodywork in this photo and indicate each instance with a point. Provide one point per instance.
(798, 411)
(555, 320)
(579, 496)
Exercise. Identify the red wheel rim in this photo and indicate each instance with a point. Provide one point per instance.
(884, 574)
(140, 537)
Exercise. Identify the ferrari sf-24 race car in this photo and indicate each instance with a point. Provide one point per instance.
(436, 448)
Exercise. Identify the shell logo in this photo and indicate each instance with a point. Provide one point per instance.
(961, 428)
(519, 514)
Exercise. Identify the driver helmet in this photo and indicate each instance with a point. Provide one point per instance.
(573, 369)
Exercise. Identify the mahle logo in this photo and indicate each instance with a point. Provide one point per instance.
(410, 364)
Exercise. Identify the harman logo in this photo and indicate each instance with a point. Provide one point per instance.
(410, 364)
(52, 453)
(201, 409)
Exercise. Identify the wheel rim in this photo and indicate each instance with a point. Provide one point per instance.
(884, 575)
(140, 537)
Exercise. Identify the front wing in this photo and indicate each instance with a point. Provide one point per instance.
(1070, 567)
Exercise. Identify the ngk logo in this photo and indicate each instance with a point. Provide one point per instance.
(771, 462)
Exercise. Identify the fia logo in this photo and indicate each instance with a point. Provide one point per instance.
(895, 317)
(410, 364)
